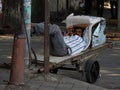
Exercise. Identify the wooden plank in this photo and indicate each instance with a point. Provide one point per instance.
(81, 56)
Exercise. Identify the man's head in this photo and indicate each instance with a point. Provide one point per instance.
(78, 31)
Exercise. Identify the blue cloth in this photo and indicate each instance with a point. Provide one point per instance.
(57, 44)
(76, 43)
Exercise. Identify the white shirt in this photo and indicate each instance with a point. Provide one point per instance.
(76, 43)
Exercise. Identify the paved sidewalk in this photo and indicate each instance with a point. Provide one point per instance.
(41, 81)
(34, 81)
(52, 82)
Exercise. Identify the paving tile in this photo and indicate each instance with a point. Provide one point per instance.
(46, 88)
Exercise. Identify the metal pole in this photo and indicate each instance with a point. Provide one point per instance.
(0, 6)
(118, 26)
(46, 36)
(27, 26)
(57, 6)
(0, 12)
(67, 4)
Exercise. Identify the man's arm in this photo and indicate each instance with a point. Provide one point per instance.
(81, 25)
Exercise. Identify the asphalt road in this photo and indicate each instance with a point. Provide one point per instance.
(109, 61)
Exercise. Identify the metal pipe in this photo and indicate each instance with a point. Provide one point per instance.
(118, 26)
(57, 6)
(0, 6)
(46, 36)
(27, 28)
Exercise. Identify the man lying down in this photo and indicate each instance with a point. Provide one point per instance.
(61, 45)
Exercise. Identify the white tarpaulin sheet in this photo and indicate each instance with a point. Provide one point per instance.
(89, 35)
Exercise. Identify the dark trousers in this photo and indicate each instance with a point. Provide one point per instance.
(88, 6)
(100, 7)
(114, 9)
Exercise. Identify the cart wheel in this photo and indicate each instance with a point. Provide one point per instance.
(92, 71)
(54, 71)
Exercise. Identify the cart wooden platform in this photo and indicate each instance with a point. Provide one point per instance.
(83, 62)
